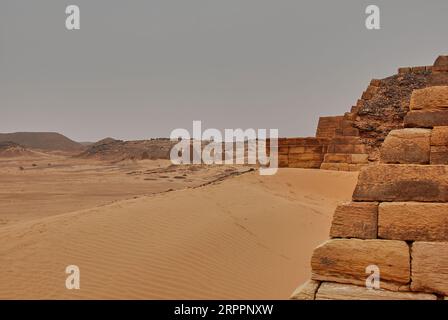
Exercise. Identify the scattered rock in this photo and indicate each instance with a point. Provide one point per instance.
(307, 291)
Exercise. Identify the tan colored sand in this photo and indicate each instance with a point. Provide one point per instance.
(247, 237)
(35, 187)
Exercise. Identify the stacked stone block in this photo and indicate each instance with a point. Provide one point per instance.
(345, 153)
(439, 74)
(328, 126)
(428, 108)
(301, 152)
(397, 221)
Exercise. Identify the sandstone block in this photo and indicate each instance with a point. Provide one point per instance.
(350, 132)
(280, 142)
(356, 166)
(359, 158)
(335, 166)
(366, 95)
(426, 118)
(305, 157)
(375, 82)
(313, 149)
(336, 291)
(404, 70)
(304, 164)
(283, 160)
(439, 77)
(294, 149)
(337, 158)
(355, 220)
(390, 182)
(429, 98)
(345, 261)
(441, 61)
(345, 140)
(306, 291)
(419, 69)
(372, 89)
(300, 142)
(413, 221)
(406, 146)
(430, 267)
(439, 155)
(359, 148)
(439, 136)
(283, 150)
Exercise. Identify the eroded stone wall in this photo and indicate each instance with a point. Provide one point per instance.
(395, 223)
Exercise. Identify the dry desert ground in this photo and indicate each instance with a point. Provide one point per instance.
(151, 230)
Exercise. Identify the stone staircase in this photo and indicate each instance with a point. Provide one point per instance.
(396, 227)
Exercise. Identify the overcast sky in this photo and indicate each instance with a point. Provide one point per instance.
(139, 69)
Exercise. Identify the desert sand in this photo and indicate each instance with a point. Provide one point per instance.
(138, 232)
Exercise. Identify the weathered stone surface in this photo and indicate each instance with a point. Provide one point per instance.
(391, 182)
(305, 157)
(360, 158)
(404, 70)
(355, 220)
(337, 158)
(346, 158)
(345, 140)
(350, 132)
(336, 291)
(355, 166)
(375, 82)
(430, 98)
(345, 261)
(327, 126)
(439, 136)
(441, 62)
(426, 119)
(283, 160)
(283, 150)
(335, 166)
(304, 164)
(430, 267)
(347, 148)
(413, 221)
(341, 166)
(439, 155)
(310, 141)
(372, 89)
(406, 146)
(306, 291)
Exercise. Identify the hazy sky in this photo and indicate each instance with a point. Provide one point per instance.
(139, 69)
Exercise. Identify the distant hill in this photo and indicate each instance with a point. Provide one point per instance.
(49, 141)
(111, 149)
(10, 149)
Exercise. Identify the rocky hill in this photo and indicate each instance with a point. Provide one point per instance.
(10, 149)
(117, 150)
(47, 141)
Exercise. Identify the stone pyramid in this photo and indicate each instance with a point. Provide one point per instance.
(396, 227)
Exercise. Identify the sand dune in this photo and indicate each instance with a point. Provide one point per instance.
(248, 237)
